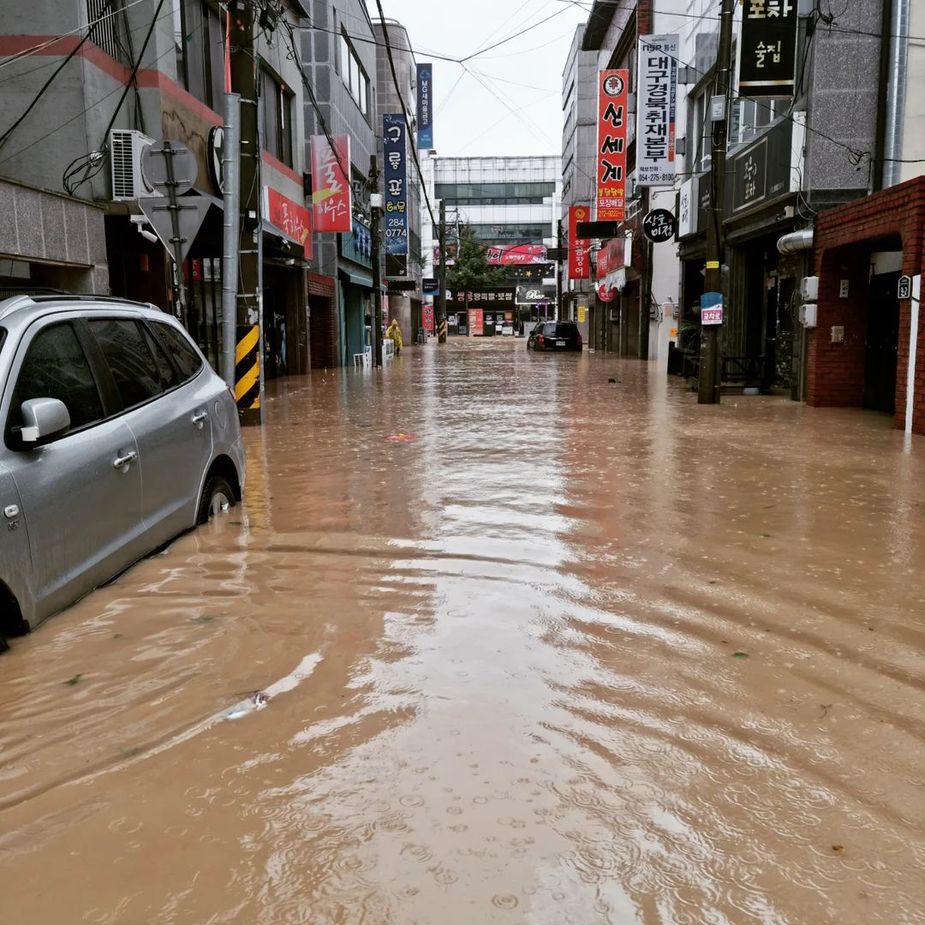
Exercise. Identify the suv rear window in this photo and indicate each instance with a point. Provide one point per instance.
(186, 358)
(138, 375)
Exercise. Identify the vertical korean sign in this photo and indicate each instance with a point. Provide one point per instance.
(579, 262)
(611, 145)
(768, 48)
(332, 198)
(657, 89)
(425, 107)
(396, 194)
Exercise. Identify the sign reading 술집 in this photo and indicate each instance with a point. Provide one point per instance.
(613, 101)
(655, 121)
(768, 48)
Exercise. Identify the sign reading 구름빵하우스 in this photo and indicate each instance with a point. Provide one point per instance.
(332, 195)
(613, 99)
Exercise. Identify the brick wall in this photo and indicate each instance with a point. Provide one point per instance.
(844, 239)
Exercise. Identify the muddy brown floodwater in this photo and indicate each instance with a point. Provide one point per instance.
(530, 647)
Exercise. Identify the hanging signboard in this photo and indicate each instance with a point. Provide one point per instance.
(396, 194)
(768, 46)
(659, 225)
(294, 219)
(332, 197)
(579, 250)
(425, 106)
(514, 255)
(657, 89)
(611, 144)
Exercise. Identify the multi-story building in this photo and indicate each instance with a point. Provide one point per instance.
(339, 56)
(512, 205)
(124, 75)
(579, 146)
(646, 278)
(401, 100)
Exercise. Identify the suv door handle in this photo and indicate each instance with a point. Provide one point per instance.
(199, 417)
(124, 459)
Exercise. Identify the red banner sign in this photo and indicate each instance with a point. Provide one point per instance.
(579, 251)
(611, 145)
(291, 218)
(516, 255)
(427, 318)
(611, 257)
(477, 322)
(332, 200)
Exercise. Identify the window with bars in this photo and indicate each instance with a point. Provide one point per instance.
(106, 19)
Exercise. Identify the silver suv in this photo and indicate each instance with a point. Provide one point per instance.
(117, 436)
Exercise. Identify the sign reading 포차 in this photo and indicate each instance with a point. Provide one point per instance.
(767, 54)
(613, 101)
(655, 122)
(395, 174)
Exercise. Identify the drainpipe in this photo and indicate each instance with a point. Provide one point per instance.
(878, 171)
(896, 91)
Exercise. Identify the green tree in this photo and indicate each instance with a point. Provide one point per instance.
(472, 270)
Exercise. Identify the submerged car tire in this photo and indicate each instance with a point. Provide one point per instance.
(217, 498)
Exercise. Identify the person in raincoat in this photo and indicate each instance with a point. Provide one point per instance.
(393, 333)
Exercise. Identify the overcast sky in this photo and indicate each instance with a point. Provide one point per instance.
(508, 100)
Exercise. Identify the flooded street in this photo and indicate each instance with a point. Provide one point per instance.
(496, 640)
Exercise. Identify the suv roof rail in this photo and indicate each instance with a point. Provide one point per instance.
(15, 303)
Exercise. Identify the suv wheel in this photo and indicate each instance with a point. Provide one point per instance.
(217, 498)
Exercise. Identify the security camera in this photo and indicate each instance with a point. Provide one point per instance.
(139, 221)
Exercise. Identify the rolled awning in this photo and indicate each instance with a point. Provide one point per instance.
(358, 279)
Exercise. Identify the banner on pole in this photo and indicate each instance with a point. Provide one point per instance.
(332, 195)
(657, 89)
(425, 74)
(768, 48)
(395, 174)
(579, 251)
(611, 144)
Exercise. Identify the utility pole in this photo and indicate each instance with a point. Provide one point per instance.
(249, 334)
(559, 269)
(708, 389)
(375, 213)
(441, 300)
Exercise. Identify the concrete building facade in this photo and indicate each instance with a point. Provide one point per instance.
(403, 306)
(509, 202)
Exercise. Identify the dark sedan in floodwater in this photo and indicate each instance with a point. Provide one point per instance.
(555, 335)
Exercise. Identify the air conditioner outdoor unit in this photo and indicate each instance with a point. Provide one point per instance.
(808, 315)
(128, 182)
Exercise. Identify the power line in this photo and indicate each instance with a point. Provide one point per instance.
(404, 109)
(42, 90)
(83, 112)
(35, 49)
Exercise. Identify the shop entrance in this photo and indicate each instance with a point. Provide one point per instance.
(880, 357)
